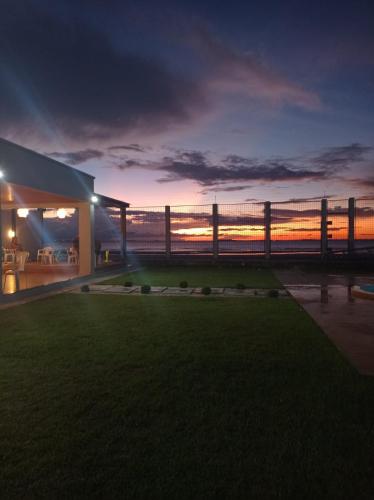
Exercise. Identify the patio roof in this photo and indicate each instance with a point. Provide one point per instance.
(105, 201)
(30, 177)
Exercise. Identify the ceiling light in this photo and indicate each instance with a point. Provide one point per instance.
(61, 213)
(23, 212)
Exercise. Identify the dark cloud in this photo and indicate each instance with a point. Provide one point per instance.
(304, 200)
(137, 148)
(226, 189)
(67, 76)
(207, 174)
(77, 157)
(342, 157)
(240, 72)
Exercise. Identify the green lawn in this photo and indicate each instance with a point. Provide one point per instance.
(155, 397)
(200, 276)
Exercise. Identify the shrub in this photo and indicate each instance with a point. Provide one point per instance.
(183, 284)
(128, 283)
(273, 294)
(240, 286)
(85, 288)
(145, 289)
(206, 290)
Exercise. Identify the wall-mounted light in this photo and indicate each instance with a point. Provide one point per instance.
(23, 212)
(61, 213)
(1, 174)
(11, 234)
(94, 198)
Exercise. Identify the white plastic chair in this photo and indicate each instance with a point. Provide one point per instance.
(40, 256)
(48, 255)
(17, 268)
(72, 256)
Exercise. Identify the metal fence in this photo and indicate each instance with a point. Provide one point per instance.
(295, 227)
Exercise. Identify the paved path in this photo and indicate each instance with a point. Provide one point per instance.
(347, 321)
(178, 292)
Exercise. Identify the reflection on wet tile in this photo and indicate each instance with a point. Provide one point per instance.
(346, 320)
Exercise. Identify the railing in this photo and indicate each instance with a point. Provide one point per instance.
(319, 227)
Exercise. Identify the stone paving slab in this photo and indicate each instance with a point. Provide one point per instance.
(158, 289)
(178, 292)
(99, 288)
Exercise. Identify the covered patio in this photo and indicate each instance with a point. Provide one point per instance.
(47, 220)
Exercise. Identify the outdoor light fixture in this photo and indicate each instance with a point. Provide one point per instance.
(11, 234)
(61, 213)
(1, 174)
(22, 212)
(94, 198)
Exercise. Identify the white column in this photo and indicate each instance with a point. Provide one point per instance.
(86, 239)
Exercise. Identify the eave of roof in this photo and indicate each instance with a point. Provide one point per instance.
(106, 201)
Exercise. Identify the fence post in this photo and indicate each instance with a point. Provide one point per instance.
(215, 230)
(167, 232)
(324, 237)
(123, 233)
(351, 225)
(267, 220)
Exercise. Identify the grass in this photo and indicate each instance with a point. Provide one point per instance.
(200, 276)
(155, 397)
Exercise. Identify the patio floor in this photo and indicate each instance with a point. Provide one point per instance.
(346, 320)
(38, 275)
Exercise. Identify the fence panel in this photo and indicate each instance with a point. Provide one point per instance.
(107, 229)
(296, 227)
(364, 224)
(241, 228)
(145, 229)
(337, 229)
(191, 229)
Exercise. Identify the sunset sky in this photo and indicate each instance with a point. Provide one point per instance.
(184, 102)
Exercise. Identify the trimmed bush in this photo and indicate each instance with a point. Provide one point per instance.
(240, 286)
(128, 283)
(206, 290)
(274, 294)
(183, 284)
(145, 289)
(85, 288)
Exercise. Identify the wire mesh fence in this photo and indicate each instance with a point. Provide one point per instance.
(337, 211)
(241, 228)
(245, 228)
(364, 223)
(296, 227)
(191, 229)
(145, 229)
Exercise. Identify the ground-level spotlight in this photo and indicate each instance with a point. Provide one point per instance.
(94, 198)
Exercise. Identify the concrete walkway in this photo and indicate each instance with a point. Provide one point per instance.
(347, 321)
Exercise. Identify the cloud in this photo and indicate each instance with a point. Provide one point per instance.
(304, 200)
(196, 166)
(77, 157)
(236, 72)
(129, 147)
(68, 76)
(226, 189)
(342, 157)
